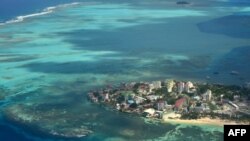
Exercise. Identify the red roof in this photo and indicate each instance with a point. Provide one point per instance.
(179, 102)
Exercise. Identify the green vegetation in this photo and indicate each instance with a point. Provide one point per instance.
(228, 92)
(120, 99)
(191, 115)
(202, 88)
(161, 91)
(134, 105)
(171, 100)
(212, 106)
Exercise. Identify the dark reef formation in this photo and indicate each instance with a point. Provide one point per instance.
(182, 2)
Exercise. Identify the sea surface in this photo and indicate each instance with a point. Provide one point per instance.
(53, 52)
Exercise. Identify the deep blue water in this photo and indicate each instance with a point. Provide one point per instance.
(11, 8)
(9, 134)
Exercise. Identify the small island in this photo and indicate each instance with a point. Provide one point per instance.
(178, 101)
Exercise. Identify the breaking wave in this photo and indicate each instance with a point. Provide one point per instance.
(45, 11)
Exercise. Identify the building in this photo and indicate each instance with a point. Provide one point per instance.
(106, 97)
(161, 105)
(188, 86)
(197, 98)
(156, 84)
(153, 97)
(207, 96)
(92, 97)
(151, 87)
(236, 97)
(139, 100)
(180, 103)
(234, 105)
(180, 87)
(221, 98)
(118, 106)
(142, 90)
(169, 84)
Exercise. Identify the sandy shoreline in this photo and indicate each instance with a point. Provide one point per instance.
(201, 121)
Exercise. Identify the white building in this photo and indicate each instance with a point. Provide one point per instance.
(142, 91)
(151, 87)
(188, 86)
(170, 84)
(153, 97)
(150, 111)
(207, 96)
(107, 97)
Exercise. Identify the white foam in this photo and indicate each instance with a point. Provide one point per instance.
(45, 11)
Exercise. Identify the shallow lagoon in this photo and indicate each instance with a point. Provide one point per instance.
(48, 63)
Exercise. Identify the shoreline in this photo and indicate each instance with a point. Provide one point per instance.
(203, 121)
(44, 11)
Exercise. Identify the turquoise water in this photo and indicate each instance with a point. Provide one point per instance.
(49, 62)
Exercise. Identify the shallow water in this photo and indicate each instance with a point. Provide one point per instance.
(49, 62)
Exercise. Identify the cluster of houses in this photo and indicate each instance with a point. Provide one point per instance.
(152, 99)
